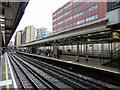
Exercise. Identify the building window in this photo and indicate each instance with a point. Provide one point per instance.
(62, 9)
(68, 26)
(81, 21)
(76, 23)
(68, 5)
(78, 14)
(80, 5)
(91, 18)
(54, 30)
(68, 12)
(88, 1)
(92, 8)
(75, 1)
(96, 16)
(68, 19)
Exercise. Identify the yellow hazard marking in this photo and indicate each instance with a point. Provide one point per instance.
(7, 86)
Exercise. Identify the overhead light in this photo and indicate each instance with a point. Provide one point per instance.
(1, 16)
(2, 25)
(3, 31)
(2, 19)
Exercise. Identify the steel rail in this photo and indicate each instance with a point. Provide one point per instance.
(17, 74)
(28, 77)
(71, 75)
(60, 77)
(37, 75)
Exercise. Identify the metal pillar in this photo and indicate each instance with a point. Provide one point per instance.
(102, 49)
(50, 50)
(0, 44)
(81, 48)
(44, 49)
(67, 48)
(111, 49)
(72, 47)
(114, 44)
(92, 48)
(111, 46)
(109, 54)
(63, 48)
(77, 51)
(86, 51)
(53, 49)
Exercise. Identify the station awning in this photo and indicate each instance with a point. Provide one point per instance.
(10, 15)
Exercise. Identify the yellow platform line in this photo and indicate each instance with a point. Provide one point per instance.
(6, 71)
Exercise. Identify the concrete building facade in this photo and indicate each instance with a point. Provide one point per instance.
(23, 37)
(18, 39)
(28, 34)
(39, 33)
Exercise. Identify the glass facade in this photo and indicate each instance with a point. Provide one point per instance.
(40, 32)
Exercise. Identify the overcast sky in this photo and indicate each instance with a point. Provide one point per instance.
(39, 14)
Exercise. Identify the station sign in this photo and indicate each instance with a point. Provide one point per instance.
(115, 35)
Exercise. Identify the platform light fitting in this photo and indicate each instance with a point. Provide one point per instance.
(1, 16)
(2, 19)
(3, 31)
(3, 25)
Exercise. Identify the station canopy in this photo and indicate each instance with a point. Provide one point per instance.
(11, 12)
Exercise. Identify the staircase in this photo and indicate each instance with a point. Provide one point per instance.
(114, 58)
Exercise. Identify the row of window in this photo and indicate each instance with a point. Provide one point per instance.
(78, 22)
(68, 5)
(63, 9)
(80, 5)
(75, 1)
(78, 14)
(65, 27)
(88, 1)
(71, 4)
(92, 8)
(57, 18)
(68, 19)
(68, 12)
(91, 18)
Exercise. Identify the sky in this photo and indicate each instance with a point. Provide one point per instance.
(39, 14)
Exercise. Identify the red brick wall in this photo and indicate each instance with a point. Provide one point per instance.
(101, 11)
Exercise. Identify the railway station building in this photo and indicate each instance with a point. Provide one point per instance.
(88, 28)
(88, 33)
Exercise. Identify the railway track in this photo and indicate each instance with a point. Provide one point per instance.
(24, 79)
(29, 78)
(67, 77)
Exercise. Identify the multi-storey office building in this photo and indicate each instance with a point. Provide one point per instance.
(28, 34)
(39, 33)
(75, 13)
(18, 39)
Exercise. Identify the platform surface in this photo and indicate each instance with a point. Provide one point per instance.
(7, 79)
(92, 62)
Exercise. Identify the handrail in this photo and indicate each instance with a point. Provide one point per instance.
(115, 48)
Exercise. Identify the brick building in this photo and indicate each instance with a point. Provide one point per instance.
(76, 13)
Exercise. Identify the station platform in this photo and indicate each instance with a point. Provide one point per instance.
(92, 62)
(7, 80)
